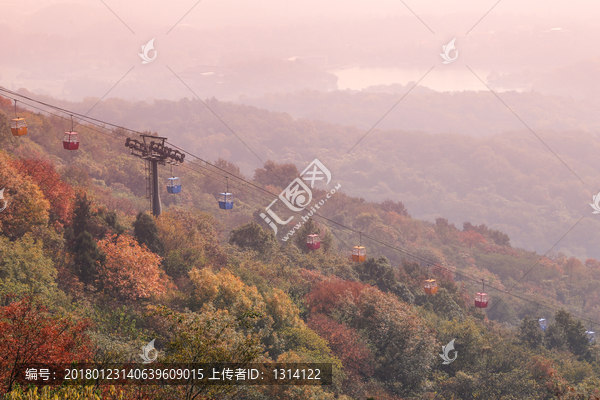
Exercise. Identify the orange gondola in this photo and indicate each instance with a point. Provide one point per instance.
(359, 253)
(430, 286)
(18, 126)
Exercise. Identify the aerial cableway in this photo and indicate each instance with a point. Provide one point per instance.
(153, 150)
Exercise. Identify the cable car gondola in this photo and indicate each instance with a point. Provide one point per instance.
(226, 199)
(18, 126)
(359, 253)
(174, 185)
(71, 139)
(591, 335)
(481, 299)
(430, 286)
(313, 242)
(543, 324)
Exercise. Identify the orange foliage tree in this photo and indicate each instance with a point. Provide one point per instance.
(130, 271)
(29, 334)
(27, 208)
(325, 295)
(471, 238)
(59, 193)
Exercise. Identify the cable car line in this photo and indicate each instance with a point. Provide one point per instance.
(250, 184)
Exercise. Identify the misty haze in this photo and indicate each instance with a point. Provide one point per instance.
(344, 186)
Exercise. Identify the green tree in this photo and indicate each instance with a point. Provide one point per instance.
(84, 248)
(24, 269)
(310, 227)
(379, 272)
(530, 332)
(146, 232)
(252, 236)
(403, 346)
(569, 332)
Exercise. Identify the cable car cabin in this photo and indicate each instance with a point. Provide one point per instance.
(225, 201)
(359, 254)
(430, 286)
(18, 127)
(313, 242)
(71, 141)
(481, 300)
(543, 324)
(591, 335)
(174, 185)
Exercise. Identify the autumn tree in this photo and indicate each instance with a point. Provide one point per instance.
(279, 175)
(30, 334)
(471, 238)
(26, 207)
(327, 295)
(130, 271)
(59, 193)
(346, 344)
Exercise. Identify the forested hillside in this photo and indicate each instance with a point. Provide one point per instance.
(478, 114)
(86, 274)
(508, 181)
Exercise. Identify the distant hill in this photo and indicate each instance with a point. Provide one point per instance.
(469, 113)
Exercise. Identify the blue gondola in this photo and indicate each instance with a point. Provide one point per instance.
(226, 199)
(591, 335)
(174, 185)
(543, 324)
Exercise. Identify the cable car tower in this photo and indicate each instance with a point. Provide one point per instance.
(153, 150)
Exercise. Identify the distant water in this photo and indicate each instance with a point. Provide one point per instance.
(443, 78)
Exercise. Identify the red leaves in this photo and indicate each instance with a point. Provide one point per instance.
(326, 295)
(471, 238)
(57, 192)
(29, 334)
(345, 343)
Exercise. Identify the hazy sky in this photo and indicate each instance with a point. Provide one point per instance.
(80, 48)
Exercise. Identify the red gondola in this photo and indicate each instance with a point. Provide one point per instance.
(313, 242)
(71, 139)
(481, 299)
